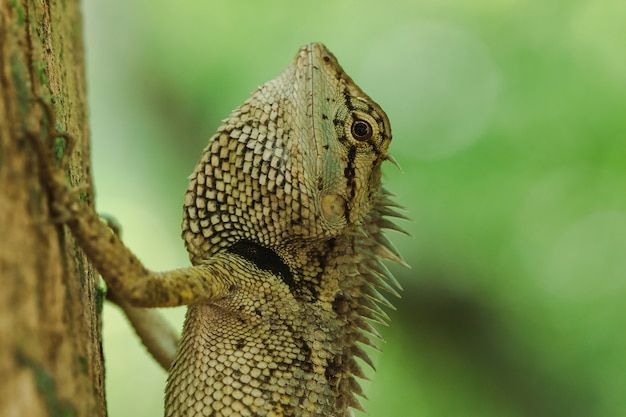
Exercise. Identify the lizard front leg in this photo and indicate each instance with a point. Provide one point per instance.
(123, 272)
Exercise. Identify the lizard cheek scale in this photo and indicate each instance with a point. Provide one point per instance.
(284, 221)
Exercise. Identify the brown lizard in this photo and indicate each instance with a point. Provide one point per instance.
(283, 221)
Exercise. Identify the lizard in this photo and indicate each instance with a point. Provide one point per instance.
(284, 221)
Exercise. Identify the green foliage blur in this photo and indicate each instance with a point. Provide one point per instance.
(508, 120)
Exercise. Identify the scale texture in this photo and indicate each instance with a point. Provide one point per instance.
(283, 221)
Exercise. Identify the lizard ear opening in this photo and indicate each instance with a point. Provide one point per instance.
(334, 208)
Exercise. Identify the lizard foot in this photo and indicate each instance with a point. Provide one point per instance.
(50, 143)
(53, 149)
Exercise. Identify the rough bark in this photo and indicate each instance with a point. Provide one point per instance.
(50, 329)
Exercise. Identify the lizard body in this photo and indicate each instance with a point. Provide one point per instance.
(283, 221)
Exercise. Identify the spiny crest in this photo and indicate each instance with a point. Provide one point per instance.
(375, 276)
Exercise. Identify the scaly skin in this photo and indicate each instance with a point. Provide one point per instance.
(283, 222)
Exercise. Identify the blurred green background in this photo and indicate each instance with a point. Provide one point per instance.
(508, 120)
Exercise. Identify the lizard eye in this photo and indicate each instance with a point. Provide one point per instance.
(361, 130)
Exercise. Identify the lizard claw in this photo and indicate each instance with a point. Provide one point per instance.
(112, 222)
(60, 143)
(53, 149)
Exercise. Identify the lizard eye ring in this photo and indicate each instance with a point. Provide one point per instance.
(361, 130)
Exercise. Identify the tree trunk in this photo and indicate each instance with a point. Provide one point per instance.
(50, 329)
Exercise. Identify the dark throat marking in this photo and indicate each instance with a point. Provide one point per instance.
(268, 260)
(264, 259)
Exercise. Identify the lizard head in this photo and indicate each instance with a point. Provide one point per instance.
(341, 138)
(298, 162)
